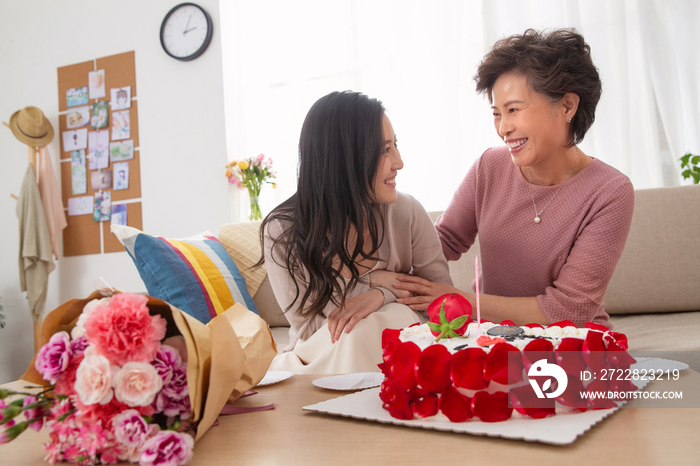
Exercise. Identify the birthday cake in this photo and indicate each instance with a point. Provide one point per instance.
(464, 370)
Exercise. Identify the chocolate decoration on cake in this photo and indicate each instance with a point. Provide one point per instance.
(505, 331)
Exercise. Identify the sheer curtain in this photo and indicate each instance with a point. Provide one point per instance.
(419, 58)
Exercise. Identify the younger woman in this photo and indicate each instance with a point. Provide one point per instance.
(333, 249)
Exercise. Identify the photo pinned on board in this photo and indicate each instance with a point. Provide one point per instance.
(121, 150)
(121, 125)
(101, 179)
(119, 214)
(96, 80)
(98, 153)
(75, 139)
(77, 117)
(121, 98)
(77, 96)
(100, 115)
(121, 175)
(78, 170)
(103, 206)
(82, 205)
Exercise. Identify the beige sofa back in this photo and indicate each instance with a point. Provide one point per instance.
(659, 270)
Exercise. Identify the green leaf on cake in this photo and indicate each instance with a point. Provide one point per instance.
(458, 322)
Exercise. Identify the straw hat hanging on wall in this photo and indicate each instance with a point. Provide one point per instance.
(30, 126)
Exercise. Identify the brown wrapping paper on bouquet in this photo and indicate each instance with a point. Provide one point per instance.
(225, 357)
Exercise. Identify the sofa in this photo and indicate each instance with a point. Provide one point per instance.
(653, 297)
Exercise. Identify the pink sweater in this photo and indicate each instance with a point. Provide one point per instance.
(567, 260)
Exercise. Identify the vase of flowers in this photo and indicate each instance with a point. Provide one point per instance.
(251, 174)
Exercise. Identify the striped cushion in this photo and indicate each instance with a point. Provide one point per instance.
(194, 274)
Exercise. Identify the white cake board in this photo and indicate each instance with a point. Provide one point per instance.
(560, 429)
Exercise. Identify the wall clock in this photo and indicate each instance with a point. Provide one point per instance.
(186, 32)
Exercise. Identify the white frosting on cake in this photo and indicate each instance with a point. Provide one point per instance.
(422, 336)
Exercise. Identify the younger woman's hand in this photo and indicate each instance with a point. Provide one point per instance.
(386, 279)
(356, 308)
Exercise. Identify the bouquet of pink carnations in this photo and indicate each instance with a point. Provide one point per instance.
(118, 382)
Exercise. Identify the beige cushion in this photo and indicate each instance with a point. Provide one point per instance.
(242, 241)
(659, 270)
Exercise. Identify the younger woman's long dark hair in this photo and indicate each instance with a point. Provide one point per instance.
(339, 152)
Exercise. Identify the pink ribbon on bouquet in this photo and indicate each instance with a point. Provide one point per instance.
(230, 409)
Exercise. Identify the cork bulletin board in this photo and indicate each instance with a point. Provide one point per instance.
(89, 232)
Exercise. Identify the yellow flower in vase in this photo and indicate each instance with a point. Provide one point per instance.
(251, 174)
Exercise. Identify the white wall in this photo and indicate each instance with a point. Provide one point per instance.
(181, 130)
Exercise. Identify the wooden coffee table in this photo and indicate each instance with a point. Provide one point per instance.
(287, 435)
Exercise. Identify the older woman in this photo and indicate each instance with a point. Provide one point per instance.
(552, 221)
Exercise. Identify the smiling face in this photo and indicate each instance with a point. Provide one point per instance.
(389, 164)
(534, 129)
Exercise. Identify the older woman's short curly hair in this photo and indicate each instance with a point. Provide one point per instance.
(555, 63)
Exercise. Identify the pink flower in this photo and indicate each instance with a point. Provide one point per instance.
(81, 441)
(123, 331)
(109, 455)
(54, 357)
(137, 384)
(89, 308)
(234, 181)
(6, 436)
(172, 407)
(178, 343)
(90, 414)
(166, 360)
(65, 384)
(93, 438)
(55, 454)
(167, 448)
(260, 157)
(132, 431)
(37, 412)
(93, 380)
(78, 345)
(173, 399)
(61, 408)
(177, 387)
